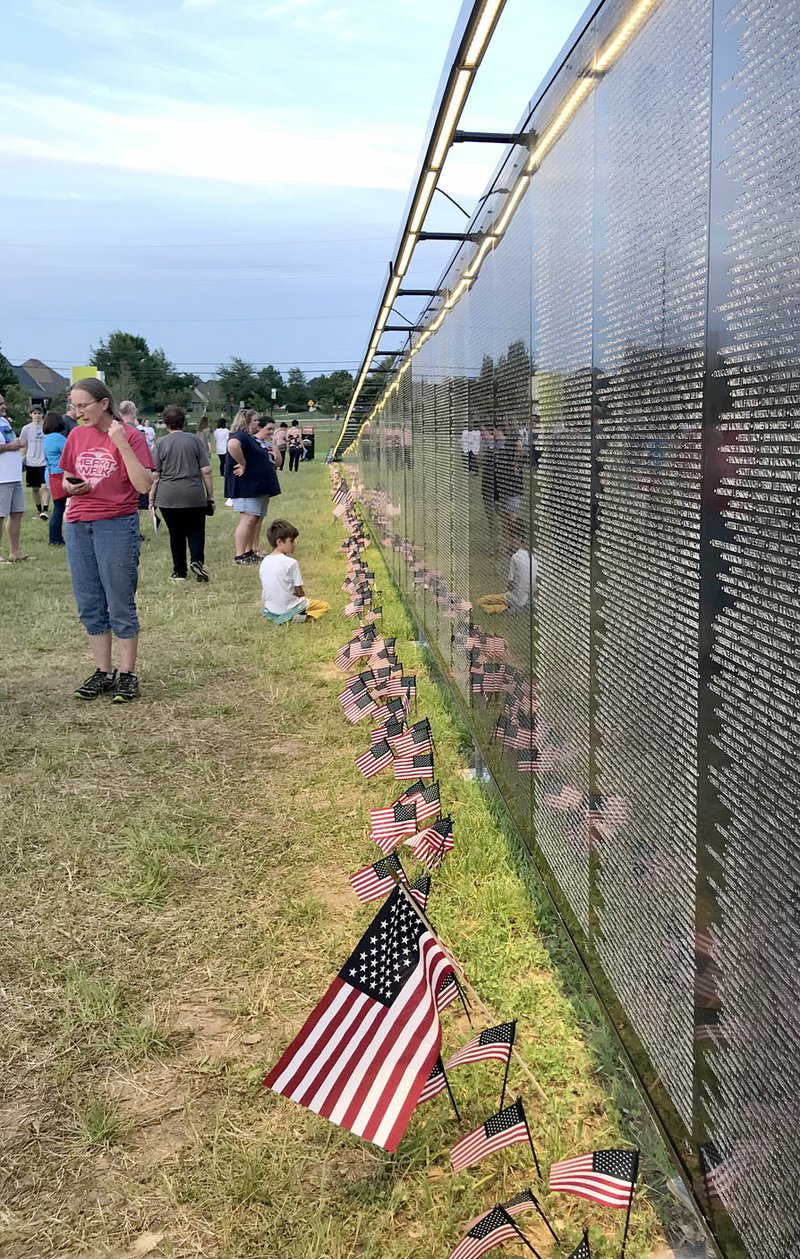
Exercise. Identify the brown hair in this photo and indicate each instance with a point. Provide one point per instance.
(174, 417)
(280, 530)
(98, 391)
(53, 423)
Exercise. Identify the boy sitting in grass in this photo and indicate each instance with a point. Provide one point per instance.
(281, 582)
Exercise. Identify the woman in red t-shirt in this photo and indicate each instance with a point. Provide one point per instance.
(106, 465)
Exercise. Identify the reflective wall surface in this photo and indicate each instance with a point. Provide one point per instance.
(587, 484)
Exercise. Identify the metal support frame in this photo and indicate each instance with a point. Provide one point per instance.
(474, 237)
(493, 137)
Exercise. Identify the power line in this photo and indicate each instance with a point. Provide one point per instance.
(208, 244)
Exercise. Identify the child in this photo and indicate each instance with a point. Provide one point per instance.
(523, 573)
(281, 582)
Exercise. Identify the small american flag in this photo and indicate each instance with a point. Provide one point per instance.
(374, 759)
(375, 881)
(388, 826)
(391, 730)
(515, 1206)
(372, 616)
(604, 1176)
(432, 845)
(493, 1043)
(355, 707)
(414, 766)
(363, 1055)
(582, 1250)
(435, 1084)
(712, 1166)
(420, 891)
(507, 1127)
(416, 740)
(449, 992)
(489, 1231)
(427, 799)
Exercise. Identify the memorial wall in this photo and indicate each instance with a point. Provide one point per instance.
(586, 484)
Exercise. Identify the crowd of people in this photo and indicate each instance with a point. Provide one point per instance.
(92, 470)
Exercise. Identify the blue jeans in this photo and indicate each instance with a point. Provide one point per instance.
(103, 560)
(56, 522)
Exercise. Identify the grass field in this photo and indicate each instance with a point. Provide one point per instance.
(176, 900)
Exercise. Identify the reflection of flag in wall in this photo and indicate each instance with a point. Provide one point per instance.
(374, 759)
(375, 881)
(491, 1229)
(362, 1057)
(604, 1176)
(493, 1043)
(507, 1127)
(712, 1166)
(432, 845)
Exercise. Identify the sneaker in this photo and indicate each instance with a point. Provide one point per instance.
(99, 683)
(43, 515)
(127, 687)
(198, 570)
(246, 559)
(176, 577)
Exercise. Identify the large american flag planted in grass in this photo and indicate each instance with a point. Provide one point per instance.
(363, 1056)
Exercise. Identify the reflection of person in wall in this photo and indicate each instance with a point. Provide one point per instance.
(491, 438)
(523, 573)
(508, 464)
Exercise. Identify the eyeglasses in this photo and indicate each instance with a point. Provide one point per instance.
(84, 406)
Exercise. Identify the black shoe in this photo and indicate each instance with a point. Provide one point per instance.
(99, 683)
(177, 577)
(249, 557)
(127, 688)
(198, 570)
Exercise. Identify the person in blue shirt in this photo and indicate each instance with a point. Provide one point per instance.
(55, 439)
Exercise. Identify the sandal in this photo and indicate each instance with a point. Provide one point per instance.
(17, 559)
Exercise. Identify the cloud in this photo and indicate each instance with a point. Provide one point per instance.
(203, 141)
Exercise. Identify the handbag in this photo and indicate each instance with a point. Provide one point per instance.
(209, 507)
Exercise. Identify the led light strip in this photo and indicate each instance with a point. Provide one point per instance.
(478, 30)
(605, 59)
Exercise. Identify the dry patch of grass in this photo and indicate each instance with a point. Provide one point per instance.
(176, 899)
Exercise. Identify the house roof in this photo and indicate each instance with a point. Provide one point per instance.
(31, 386)
(50, 382)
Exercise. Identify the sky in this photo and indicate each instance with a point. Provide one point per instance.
(228, 177)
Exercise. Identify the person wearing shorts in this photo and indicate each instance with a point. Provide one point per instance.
(35, 462)
(250, 482)
(12, 495)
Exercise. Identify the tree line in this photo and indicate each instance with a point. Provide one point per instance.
(132, 370)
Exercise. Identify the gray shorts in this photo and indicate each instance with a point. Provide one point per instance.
(12, 498)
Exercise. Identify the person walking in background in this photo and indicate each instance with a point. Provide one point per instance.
(220, 436)
(35, 464)
(107, 465)
(183, 493)
(130, 415)
(294, 445)
(12, 495)
(203, 431)
(250, 482)
(55, 439)
(279, 444)
(70, 417)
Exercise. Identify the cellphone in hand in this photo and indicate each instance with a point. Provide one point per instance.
(73, 480)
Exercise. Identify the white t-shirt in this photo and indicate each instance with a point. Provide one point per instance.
(523, 572)
(279, 575)
(221, 436)
(11, 461)
(33, 434)
(148, 433)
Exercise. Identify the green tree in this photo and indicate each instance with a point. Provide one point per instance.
(7, 377)
(150, 379)
(296, 392)
(125, 386)
(239, 382)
